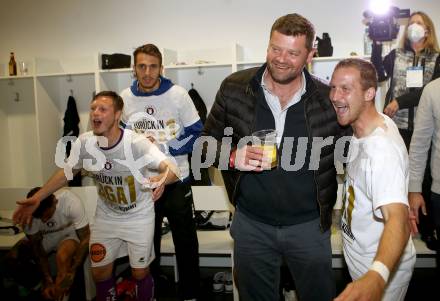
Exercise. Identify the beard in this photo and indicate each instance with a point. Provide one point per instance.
(147, 87)
(282, 79)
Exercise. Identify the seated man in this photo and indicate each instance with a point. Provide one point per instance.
(60, 226)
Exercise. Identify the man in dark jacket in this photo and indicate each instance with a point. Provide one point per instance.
(282, 213)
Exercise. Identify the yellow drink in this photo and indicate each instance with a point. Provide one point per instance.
(266, 140)
(270, 152)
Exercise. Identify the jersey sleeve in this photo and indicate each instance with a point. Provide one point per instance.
(151, 153)
(74, 209)
(389, 174)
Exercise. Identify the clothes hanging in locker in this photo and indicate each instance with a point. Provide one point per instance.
(198, 103)
(201, 109)
(71, 128)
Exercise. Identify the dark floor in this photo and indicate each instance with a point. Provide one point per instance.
(168, 292)
(423, 286)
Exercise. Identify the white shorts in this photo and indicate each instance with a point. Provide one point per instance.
(110, 240)
(395, 294)
(52, 241)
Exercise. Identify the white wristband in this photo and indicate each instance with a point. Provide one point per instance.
(382, 269)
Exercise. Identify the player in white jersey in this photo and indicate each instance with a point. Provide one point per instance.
(378, 250)
(165, 113)
(120, 162)
(59, 226)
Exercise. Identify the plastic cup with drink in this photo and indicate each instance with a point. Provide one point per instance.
(267, 141)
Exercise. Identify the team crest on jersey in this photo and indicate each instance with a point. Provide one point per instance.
(51, 224)
(108, 165)
(150, 110)
(97, 252)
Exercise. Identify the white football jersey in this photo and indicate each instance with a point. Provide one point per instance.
(161, 116)
(377, 175)
(69, 216)
(120, 173)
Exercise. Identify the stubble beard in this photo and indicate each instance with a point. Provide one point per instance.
(149, 88)
(287, 79)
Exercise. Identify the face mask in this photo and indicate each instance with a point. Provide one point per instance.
(416, 32)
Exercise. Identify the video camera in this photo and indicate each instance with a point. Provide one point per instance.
(385, 27)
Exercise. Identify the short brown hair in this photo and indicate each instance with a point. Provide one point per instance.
(148, 49)
(295, 25)
(366, 69)
(118, 102)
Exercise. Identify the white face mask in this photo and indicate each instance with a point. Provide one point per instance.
(415, 32)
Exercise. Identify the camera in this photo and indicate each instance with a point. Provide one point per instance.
(385, 27)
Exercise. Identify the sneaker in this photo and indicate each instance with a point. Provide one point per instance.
(229, 286)
(290, 295)
(165, 227)
(202, 217)
(218, 284)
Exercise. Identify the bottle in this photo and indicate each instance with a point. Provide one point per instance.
(367, 43)
(12, 65)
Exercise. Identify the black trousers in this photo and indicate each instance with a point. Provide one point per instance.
(177, 205)
(435, 201)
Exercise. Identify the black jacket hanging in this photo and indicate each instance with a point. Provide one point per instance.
(71, 128)
(201, 109)
(198, 103)
(71, 119)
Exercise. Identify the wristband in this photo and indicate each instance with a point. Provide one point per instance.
(380, 268)
(232, 159)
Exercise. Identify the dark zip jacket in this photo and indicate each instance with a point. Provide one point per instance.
(236, 107)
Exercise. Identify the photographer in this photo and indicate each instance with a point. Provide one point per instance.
(412, 65)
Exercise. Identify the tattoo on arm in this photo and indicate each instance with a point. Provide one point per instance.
(37, 246)
(83, 248)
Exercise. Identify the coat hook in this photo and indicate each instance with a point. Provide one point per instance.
(17, 97)
(192, 85)
(200, 71)
(69, 78)
(71, 92)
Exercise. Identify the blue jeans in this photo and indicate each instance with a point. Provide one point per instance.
(259, 250)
